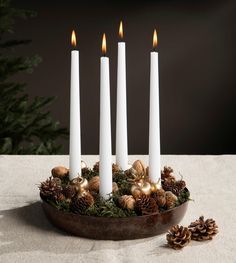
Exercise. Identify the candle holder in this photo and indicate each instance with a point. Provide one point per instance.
(136, 209)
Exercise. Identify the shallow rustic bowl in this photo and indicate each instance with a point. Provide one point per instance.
(107, 228)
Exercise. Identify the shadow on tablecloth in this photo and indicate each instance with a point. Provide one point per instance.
(27, 229)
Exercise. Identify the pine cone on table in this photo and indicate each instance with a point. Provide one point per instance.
(203, 229)
(51, 188)
(178, 237)
(145, 205)
(81, 203)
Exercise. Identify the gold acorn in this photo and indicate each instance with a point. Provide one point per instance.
(60, 172)
(136, 191)
(127, 202)
(170, 199)
(80, 184)
(94, 184)
(139, 167)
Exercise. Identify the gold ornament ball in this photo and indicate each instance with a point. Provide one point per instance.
(145, 187)
(60, 172)
(80, 184)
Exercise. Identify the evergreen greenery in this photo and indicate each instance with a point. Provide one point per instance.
(26, 126)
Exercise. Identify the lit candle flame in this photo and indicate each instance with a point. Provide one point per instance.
(121, 33)
(104, 44)
(155, 41)
(73, 38)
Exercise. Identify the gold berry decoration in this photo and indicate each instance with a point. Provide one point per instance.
(203, 229)
(127, 202)
(60, 172)
(178, 237)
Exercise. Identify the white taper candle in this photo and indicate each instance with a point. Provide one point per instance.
(154, 118)
(105, 162)
(75, 139)
(121, 107)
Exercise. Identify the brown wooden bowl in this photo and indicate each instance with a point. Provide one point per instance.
(107, 228)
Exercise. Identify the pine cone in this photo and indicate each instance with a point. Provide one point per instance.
(203, 229)
(170, 199)
(178, 237)
(174, 186)
(60, 197)
(85, 172)
(50, 188)
(96, 167)
(127, 202)
(145, 205)
(160, 197)
(69, 191)
(81, 203)
(167, 172)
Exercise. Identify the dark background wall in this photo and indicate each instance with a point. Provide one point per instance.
(197, 57)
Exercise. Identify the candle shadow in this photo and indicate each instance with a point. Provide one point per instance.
(26, 229)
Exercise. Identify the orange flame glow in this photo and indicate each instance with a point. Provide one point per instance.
(104, 44)
(121, 33)
(155, 41)
(73, 38)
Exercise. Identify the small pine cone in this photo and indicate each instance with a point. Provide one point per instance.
(60, 197)
(160, 197)
(96, 167)
(174, 186)
(167, 172)
(203, 229)
(178, 237)
(94, 184)
(60, 172)
(69, 191)
(170, 199)
(81, 203)
(51, 187)
(145, 205)
(85, 172)
(127, 202)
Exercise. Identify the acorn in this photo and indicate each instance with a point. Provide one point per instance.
(60, 172)
(127, 202)
(170, 199)
(139, 167)
(94, 184)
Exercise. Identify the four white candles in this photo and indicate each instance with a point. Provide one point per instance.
(105, 162)
(154, 117)
(121, 110)
(75, 140)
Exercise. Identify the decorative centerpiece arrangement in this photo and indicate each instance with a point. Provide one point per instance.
(133, 196)
(114, 201)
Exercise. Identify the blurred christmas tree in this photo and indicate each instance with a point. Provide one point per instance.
(26, 127)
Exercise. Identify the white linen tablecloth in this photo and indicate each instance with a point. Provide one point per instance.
(27, 236)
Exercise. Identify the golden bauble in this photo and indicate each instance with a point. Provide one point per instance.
(145, 187)
(127, 202)
(60, 172)
(94, 184)
(80, 184)
(156, 186)
(139, 167)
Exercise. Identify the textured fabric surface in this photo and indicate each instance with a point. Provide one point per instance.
(27, 236)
